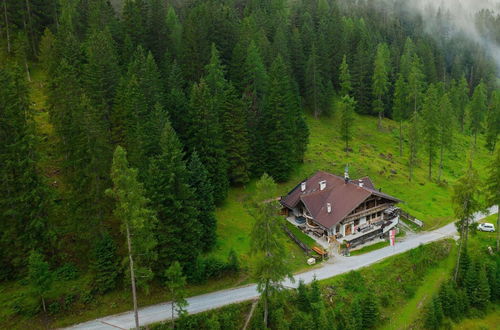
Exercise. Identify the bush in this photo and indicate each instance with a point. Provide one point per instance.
(66, 272)
(25, 305)
(54, 308)
(210, 267)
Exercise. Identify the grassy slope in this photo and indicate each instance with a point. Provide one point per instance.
(426, 200)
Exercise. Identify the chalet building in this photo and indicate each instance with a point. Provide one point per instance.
(341, 210)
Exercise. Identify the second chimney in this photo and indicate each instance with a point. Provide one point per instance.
(303, 186)
(329, 207)
(322, 185)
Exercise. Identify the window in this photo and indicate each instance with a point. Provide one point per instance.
(356, 222)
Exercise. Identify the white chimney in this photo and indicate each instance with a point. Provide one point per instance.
(361, 183)
(329, 207)
(303, 186)
(322, 185)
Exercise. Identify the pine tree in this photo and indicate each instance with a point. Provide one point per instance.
(167, 185)
(39, 276)
(255, 85)
(266, 243)
(446, 129)
(303, 297)
(380, 80)
(137, 221)
(346, 108)
(414, 137)
(176, 102)
(314, 84)
(370, 310)
(206, 136)
(278, 123)
(176, 283)
(24, 202)
(481, 293)
(400, 108)
(415, 83)
(430, 116)
(105, 264)
(236, 139)
(493, 187)
(466, 201)
(478, 108)
(345, 78)
(493, 121)
(203, 195)
(460, 99)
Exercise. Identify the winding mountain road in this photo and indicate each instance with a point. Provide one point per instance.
(161, 312)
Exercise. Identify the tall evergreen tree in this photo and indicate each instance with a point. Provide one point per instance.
(24, 203)
(315, 85)
(415, 83)
(493, 187)
(176, 283)
(414, 140)
(105, 264)
(206, 136)
(279, 123)
(203, 195)
(446, 129)
(493, 121)
(346, 108)
(137, 221)
(478, 108)
(460, 99)
(255, 85)
(266, 243)
(167, 184)
(345, 78)
(380, 80)
(400, 108)
(430, 116)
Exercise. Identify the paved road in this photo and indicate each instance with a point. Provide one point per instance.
(160, 312)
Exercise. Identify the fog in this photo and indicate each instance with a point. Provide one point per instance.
(459, 16)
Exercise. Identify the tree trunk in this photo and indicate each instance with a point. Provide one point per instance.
(27, 69)
(265, 309)
(380, 120)
(31, 34)
(6, 25)
(43, 305)
(440, 164)
(400, 138)
(132, 278)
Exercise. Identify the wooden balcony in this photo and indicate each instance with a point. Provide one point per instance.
(366, 212)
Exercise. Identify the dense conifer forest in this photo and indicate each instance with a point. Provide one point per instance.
(158, 107)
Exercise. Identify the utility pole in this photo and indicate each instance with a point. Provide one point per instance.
(132, 278)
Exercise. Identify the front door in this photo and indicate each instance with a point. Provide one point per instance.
(348, 230)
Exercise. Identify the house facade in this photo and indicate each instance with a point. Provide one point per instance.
(341, 210)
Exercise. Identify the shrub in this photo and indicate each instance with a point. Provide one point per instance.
(66, 272)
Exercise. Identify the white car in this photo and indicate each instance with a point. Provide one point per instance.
(486, 227)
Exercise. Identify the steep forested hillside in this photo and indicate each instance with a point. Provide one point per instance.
(201, 96)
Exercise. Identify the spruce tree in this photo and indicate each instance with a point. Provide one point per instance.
(105, 264)
(414, 139)
(478, 108)
(446, 129)
(204, 200)
(493, 187)
(416, 83)
(460, 99)
(24, 202)
(39, 276)
(493, 121)
(279, 124)
(345, 78)
(400, 107)
(315, 85)
(430, 117)
(380, 80)
(481, 293)
(167, 185)
(255, 85)
(370, 310)
(346, 108)
(205, 135)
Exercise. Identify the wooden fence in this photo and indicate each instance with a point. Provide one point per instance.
(411, 218)
(304, 247)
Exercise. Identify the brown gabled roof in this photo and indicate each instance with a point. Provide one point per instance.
(343, 197)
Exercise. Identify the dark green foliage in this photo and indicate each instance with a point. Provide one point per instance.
(481, 293)
(493, 121)
(167, 186)
(204, 201)
(205, 136)
(478, 109)
(24, 203)
(39, 276)
(370, 310)
(105, 264)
